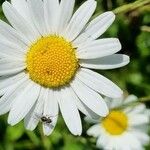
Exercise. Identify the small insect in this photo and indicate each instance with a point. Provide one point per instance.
(46, 120)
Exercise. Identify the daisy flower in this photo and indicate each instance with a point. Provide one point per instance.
(44, 58)
(122, 129)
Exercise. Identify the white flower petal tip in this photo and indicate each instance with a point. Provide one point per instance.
(30, 128)
(48, 129)
(69, 111)
(95, 28)
(23, 103)
(105, 113)
(105, 63)
(94, 130)
(110, 18)
(31, 120)
(99, 83)
(130, 98)
(50, 109)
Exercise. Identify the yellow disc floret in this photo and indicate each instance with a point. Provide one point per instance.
(115, 123)
(51, 61)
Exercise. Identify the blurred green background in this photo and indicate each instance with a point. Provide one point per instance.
(132, 28)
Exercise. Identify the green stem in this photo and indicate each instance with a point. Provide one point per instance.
(144, 99)
(134, 103)
(144, 9)
(42, 136)
(131, 6)
(46, 144)
(33, 138)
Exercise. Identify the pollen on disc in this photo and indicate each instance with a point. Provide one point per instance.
(51, 61)
(115, 123)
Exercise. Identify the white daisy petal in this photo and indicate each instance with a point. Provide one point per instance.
(50, 110)
(51, 13)
(102, 141)
(4, 60)
(107, 62)
(86, 110)
(8, 67)
(12, 57)
(36, 9)
(10, 50)
(11, 80)
(3, 91)
(94, 130)
(79, 19)
(6, 100)
(23, 103)
(132, 141)
(118, 142)
(82, 107)
(9, 64)
(108, 101)
(69, 111)
(8, 71)
(93, 120)
(99, 48)
(143, 137)
(130, 98)
(117, 102)
(138, 119)
(33, 117)
(22, 7)
(126, 146)
(115, 142)
(5, 103)
(10, 34)
(86, 94)
(96, 28)
(18, 22)
(138, 109)
(66, 10)
(99, 83)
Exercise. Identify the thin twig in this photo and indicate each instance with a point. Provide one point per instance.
(131, 6)
(145, 28)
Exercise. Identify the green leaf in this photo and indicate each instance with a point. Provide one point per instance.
(14, 133)
(143, 44)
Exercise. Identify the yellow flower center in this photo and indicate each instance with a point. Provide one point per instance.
(51, 61)
(115, 123)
